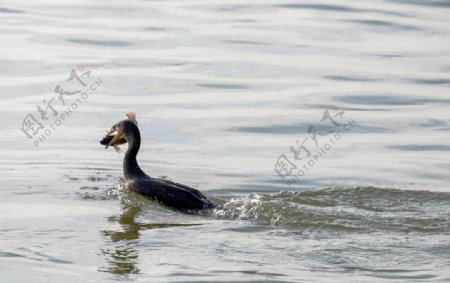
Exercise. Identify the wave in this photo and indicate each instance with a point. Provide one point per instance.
(365, 209)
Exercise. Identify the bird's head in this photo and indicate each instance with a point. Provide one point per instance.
(118, 133)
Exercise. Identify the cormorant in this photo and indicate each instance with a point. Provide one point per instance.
(164, 191)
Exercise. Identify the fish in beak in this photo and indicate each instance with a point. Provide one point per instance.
(114, 140)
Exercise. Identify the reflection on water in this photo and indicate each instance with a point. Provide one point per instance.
(121, 250)
(121, 255)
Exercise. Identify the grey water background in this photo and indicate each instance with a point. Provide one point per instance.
(221, 90)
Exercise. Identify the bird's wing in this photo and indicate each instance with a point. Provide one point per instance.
(169, 194)
(172, 183)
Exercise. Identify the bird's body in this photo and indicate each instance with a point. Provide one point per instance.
(170, 193)
(164, 191)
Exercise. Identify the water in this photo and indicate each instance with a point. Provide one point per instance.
(222, 90)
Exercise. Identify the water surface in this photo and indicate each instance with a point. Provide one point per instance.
(222, 90)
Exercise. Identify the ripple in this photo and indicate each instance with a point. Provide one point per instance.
(10, 11)
(420, 147)
(223, 86)
(155, 29)
(302, 128)
(430, 81)
(388, 100)
(336, 8)
(431, 123)
(349, 79)
(248, 42)
(387, 24)
(9, 254)
(321, 7)
(36, 255)
(427, 3)
(113, 43)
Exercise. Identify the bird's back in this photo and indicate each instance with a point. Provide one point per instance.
(171, 194)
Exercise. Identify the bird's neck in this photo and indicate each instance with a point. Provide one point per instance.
(131, 169)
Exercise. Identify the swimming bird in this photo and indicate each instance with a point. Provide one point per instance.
(164, 191)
